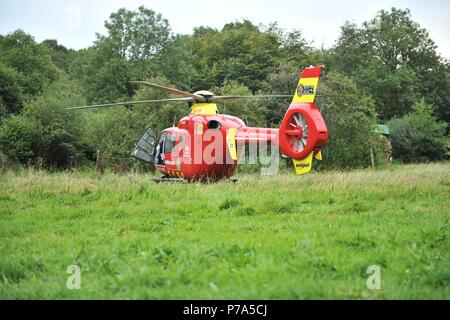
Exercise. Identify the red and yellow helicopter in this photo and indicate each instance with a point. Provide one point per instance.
(205, 144)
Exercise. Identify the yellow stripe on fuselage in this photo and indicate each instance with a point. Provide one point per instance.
(231, 142)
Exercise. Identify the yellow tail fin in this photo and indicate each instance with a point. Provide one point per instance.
(303, 166)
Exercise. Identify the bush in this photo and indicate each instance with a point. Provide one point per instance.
(115, 131)
(63, 139)
(20, 139)
(419, 136)
(252, 111)
(351, 119)
(29, 64)
(10, 91)
(45, 131)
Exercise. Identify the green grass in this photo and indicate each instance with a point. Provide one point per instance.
(278, 237)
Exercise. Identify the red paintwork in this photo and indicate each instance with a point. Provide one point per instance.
(311, 72)
(193, 128)
(197, 169)
(193, 166)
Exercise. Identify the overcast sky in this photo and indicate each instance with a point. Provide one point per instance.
(74, 22)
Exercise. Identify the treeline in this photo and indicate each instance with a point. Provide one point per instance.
(385, 71)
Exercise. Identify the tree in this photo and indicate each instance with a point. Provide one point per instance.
(392, 58)
(129, 51)
(437, 88)
(46, 130)
(395, 92)
(240, 51)
(63, 140)
(20, 139)
(351, 119)
(419, 136)
(205, 46)
(115, 131)
(176, 62)
(31, 61)
(252, 111)
(61, 56)
(11, 96)
(351, 51)
(136, 35)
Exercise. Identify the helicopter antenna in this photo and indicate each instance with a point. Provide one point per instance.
(174, 120)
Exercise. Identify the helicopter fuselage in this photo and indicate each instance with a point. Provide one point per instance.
(205, 147)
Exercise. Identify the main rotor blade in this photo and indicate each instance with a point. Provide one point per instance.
(170, 90)
(129, 103)
(218, 98)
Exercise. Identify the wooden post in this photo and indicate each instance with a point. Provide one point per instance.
(41, 164)
(372, 158)
(98, 163)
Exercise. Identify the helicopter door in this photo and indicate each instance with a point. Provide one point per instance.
(144, 149)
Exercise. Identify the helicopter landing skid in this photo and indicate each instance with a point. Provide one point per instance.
(169, 179)
(182, 180)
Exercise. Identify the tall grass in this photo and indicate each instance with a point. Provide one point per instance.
(262, 238)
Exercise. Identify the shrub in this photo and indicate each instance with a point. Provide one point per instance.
(419, 136)
(10, 91)
(45, 130)
(20, 139)
(351, 119)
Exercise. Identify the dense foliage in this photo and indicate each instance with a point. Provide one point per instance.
(45, 133)
(385, 70)
(419, 135)
(26, 67)
(393, 59)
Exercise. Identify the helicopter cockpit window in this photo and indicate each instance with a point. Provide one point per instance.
(180, 142)
(169, 143)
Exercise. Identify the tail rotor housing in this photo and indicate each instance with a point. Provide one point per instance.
(302, 131)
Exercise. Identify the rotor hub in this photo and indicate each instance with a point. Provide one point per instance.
(204, 93)
(298, 131)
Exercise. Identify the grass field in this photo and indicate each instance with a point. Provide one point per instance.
(279, 237)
